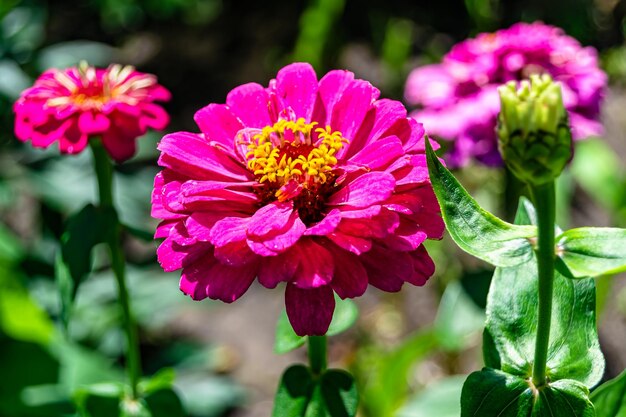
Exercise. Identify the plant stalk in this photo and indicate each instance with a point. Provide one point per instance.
(317, 354)
(545, 202)
(104, 174)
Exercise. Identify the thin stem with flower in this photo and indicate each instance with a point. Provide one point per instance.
(104, 174)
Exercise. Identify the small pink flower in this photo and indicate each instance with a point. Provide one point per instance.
(72, 105)
(458, 98)
(318, 184)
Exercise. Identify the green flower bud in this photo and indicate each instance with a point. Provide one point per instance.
(533, 129)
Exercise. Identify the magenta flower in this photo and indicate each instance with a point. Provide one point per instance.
(458, 98)
(318, 184)
(72, 105)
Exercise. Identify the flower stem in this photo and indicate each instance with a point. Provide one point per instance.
(104, 174)
(317, 354)
(545, 203)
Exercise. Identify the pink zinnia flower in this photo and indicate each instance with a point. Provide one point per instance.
(72, 105)
(459, 101)
(318, 184)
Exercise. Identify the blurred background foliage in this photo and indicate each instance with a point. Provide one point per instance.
(407, 350)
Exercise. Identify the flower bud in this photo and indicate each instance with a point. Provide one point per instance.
(533, 129)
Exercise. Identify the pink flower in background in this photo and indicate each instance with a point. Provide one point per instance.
(458, 98)
(72, 105)
(318, 184)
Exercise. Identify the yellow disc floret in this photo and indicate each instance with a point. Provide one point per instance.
(293, 152)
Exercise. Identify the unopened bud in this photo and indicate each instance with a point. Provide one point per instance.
(533, 129)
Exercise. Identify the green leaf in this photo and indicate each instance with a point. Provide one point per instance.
(345, 315)
(475, 230)
(99, 400)
(509, 340)
(84, 230)
(439, 399)
(163, 379)
(593, 251)
(339, 395)
(495, 393)
(300, 394)
(164, 403)
(386, 373)
(294, 392)
(458, 319)
(610, 398)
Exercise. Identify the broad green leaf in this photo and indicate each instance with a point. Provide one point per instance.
(294, 392)
(439, 399)
(458, 319)
(20, 317)
(386, 373)
(593, 251)
(475, 230)
(84, 230)
(495, 393)
(610, 398)
(163, 379)
(509, 340)
(300, 394)
(101, 400)
(164, 402)
(346, 313)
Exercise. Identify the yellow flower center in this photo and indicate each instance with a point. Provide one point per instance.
(91, 92)
(294, 156)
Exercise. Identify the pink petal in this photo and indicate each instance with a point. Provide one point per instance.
(276, 269)
(270, 218)
(350, 110)
(297, 85)
(279, 240)
(350, 278)
(380, 117)
(90, 123)
(315, 264)
(387, 269)
(350, 243)
(154, 116)
(229, 229)
(328, 224)
(379, 154)
(118, 145)
(331, 88)
(173, 256)
(310, 311)
(423, 267)
(189, 154)
(365, 190)
(209, 278)
(218, 123)
(250, 102)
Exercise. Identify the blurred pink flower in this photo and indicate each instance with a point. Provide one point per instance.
(458, 99)
(72, 105)
(318, 184)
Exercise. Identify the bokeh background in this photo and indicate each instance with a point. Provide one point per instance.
(409, 351)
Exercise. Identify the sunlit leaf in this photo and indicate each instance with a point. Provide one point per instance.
(495, 393)
(593, 251)
(475, 230)
(610, 398)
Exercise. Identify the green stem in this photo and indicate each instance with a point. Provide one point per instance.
(317, 354)
(104, 174)
(545, 203)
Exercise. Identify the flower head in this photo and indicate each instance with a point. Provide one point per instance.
(72, 105)
(459, 101)
(533, 131)
(318, 184)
